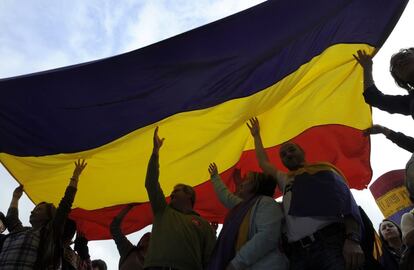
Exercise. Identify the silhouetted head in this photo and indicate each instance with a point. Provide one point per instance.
(42, 214)
(256, 184)
(402, 68)
(292, 156)
(99, 265)
(182, 195)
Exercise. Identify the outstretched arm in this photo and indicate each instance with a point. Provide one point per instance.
(261, 155)
(374, 97)
(398, 138)
(228, 199)
(155, 193)
(122, 243)
(13, 222)
(65, 204)
(81, 246)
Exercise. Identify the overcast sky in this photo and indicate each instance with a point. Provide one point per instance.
(40, 35)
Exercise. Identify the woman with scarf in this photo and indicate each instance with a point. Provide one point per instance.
(392, 244)
(251, 231)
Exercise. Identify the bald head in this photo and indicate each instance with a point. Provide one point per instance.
(292, 156)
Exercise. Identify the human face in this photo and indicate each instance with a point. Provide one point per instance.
(389, 230)
(292, 156)
(179, 196)
(39, 215)
(246, 188)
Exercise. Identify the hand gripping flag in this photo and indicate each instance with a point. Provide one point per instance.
(289, 63)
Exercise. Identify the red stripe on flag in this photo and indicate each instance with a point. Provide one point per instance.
(345, 147)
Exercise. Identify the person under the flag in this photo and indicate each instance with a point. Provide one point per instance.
(251, 233)
(392, 244)
(403, 141)
(131, 256)
(180, 238)
(323, 224)
(402, 70)
(38, 247)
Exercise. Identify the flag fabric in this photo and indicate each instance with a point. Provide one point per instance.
(391, 195)
(289, 63)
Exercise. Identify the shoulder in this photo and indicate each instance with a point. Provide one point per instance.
(268, 201)
(268, 204)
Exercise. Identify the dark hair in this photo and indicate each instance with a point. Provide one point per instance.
(100, 264)
(189, 190)
(51, 209)
(265, 184)
(395, 63)
(383, 241)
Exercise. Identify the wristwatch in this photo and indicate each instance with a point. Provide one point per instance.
(353, 236)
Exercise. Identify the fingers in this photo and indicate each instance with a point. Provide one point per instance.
(18, 192)
(80, 164)
(253, 123)
(349, 263)
(157, 141)
(354, 261)
(359, 260)
(362, 57)
(367, 132)
(212, 169)
(156, 132)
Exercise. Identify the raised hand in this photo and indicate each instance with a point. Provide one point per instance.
(254, 127)
(157, 141)
(212, 169)
(80, 164)
(364, 59)
(377, 129)
(18, 192)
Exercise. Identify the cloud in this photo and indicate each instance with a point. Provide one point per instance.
(53, 34)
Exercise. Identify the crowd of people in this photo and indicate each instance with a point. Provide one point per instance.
(304, 231)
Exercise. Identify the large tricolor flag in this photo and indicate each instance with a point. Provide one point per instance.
(288, 62)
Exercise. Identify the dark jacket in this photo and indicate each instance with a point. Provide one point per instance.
(402, 104)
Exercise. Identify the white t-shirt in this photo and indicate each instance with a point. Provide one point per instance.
(299, 227)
